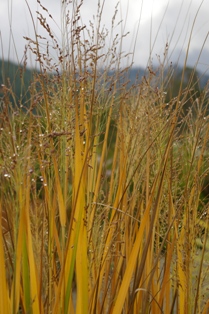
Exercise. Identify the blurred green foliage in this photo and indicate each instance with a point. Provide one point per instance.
(16, 79)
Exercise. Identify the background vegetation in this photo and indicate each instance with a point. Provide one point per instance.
(103, 195)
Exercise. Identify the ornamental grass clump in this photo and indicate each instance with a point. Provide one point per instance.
(102, 198)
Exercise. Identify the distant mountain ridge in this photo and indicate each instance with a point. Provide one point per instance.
(12, 73)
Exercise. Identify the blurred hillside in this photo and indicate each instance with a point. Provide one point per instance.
(15, 78)
(18, 79)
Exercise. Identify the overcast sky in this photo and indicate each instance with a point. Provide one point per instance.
(161, 22)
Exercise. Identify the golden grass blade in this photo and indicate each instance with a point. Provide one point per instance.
(62, 209)
(131, 265)
(182, 291)
(166, 286)
(36, 303)
(80, 218)
(197, 303)
(25, 276)
(82, 273)
(5, 302)
(15, 296)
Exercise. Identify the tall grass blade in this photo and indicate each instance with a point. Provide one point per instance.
(5, 302)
